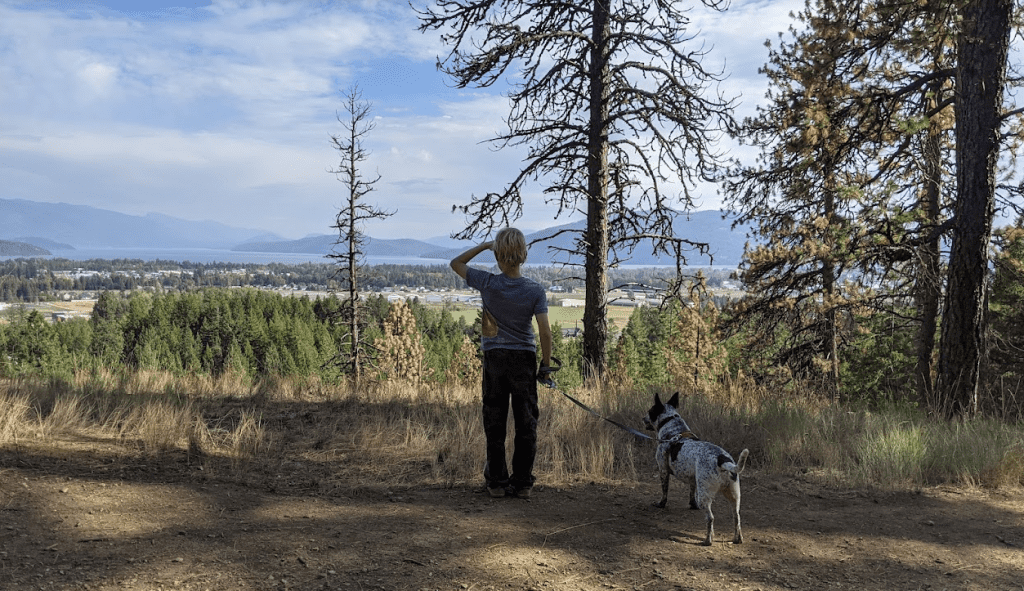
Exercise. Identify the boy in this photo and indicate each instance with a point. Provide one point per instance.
(511, 301)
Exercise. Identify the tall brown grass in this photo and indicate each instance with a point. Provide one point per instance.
(398, 434)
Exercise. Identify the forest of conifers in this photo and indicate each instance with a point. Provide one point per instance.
(256, 333)
(210, 331)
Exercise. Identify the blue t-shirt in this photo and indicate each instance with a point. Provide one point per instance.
(513, 302)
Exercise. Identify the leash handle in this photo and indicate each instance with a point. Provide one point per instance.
(545, 371)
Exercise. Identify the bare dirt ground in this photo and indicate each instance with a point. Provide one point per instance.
(88, 516)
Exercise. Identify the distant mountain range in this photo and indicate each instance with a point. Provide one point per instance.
(324, 244)
(81, 226)
(709, 227)
(43, 243)
(55, 227)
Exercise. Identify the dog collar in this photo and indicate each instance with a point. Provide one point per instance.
(664, 422)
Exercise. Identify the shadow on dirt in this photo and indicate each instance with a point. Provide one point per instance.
(89, 513)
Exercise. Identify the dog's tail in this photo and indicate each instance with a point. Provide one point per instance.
(742, 462)
(735, 468)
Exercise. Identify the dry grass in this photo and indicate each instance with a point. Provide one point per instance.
(400, 435)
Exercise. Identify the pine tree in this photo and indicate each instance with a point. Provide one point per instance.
(107, 346)
(640, 352)
(694, 356)
(464, 367)
(616, 113)
(982, 52)
(848, 192)
(1006, 306)
(401, 348)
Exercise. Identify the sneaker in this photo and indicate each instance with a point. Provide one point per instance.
(496, 492)
(520, 493)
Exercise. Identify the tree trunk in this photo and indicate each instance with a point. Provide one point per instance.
(353, 294)
(832, 336)
(595, 319)
(353, 253)
(829, 289)
(982, 50)
(928, 288)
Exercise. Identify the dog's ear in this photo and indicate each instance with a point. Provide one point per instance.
(657, 399)
(674, 401)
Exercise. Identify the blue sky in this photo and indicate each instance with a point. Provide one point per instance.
(223, 110)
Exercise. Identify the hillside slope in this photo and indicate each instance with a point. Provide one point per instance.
(81, 226)
(9, 248)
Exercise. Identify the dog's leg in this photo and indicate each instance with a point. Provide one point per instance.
(705, 501)
(664, 489)
(693, 492)
(732, 493)
(666, 473)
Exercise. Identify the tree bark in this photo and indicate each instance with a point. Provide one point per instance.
(353, 272)
(982, 50)
(595, 318)
(928, 288)
(829, 289)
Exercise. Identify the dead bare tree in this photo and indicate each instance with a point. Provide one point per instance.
(349, 223)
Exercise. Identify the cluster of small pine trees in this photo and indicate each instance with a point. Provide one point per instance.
(245, 331)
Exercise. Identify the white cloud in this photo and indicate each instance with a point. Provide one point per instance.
(98, 77)
(224, 112)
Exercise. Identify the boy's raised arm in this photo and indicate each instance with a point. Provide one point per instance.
(460, 263)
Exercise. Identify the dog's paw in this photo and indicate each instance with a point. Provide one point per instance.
(659, 504)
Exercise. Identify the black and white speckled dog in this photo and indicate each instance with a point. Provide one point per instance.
(709, 468)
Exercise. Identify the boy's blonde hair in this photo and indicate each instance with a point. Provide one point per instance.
(510, 247)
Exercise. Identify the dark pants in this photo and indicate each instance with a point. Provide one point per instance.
(510, 376)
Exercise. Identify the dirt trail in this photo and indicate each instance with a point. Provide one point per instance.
(86, 521)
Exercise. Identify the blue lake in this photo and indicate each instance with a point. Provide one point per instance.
(199, 255)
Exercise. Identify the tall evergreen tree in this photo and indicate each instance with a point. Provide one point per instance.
(1007, 310)
(107, 345)
(616, 113)
(848, 192)
(982, 50)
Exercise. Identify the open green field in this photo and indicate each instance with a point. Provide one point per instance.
(567, 317)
